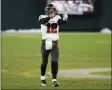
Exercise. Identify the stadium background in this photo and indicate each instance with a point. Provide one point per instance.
(86, 51)
(23, 14)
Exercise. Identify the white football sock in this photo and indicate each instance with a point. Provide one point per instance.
(53, 80)
(42, 77)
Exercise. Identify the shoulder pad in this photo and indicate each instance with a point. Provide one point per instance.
(58, 16)
(42, 16)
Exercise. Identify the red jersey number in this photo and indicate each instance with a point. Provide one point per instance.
(51, 28)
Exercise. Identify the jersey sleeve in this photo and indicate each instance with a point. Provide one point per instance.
(43, 19)
(60, 20)
(40, 17)
(59, 17)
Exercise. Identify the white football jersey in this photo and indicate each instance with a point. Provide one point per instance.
(50, 30)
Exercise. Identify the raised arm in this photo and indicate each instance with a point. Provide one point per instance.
(63, 19)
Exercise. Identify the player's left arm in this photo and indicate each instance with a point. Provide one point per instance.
(63, 19)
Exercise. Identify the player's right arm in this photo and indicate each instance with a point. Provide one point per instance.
(43, 19)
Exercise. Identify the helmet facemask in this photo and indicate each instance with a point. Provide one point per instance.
(50, 10)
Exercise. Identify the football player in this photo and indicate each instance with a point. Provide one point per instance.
(50, 35)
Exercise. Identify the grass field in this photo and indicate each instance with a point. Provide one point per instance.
(102, 73)
(21, 60)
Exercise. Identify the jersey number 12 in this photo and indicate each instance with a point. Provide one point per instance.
(51, 28)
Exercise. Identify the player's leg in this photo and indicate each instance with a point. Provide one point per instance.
(54, 63)
(45, 54)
